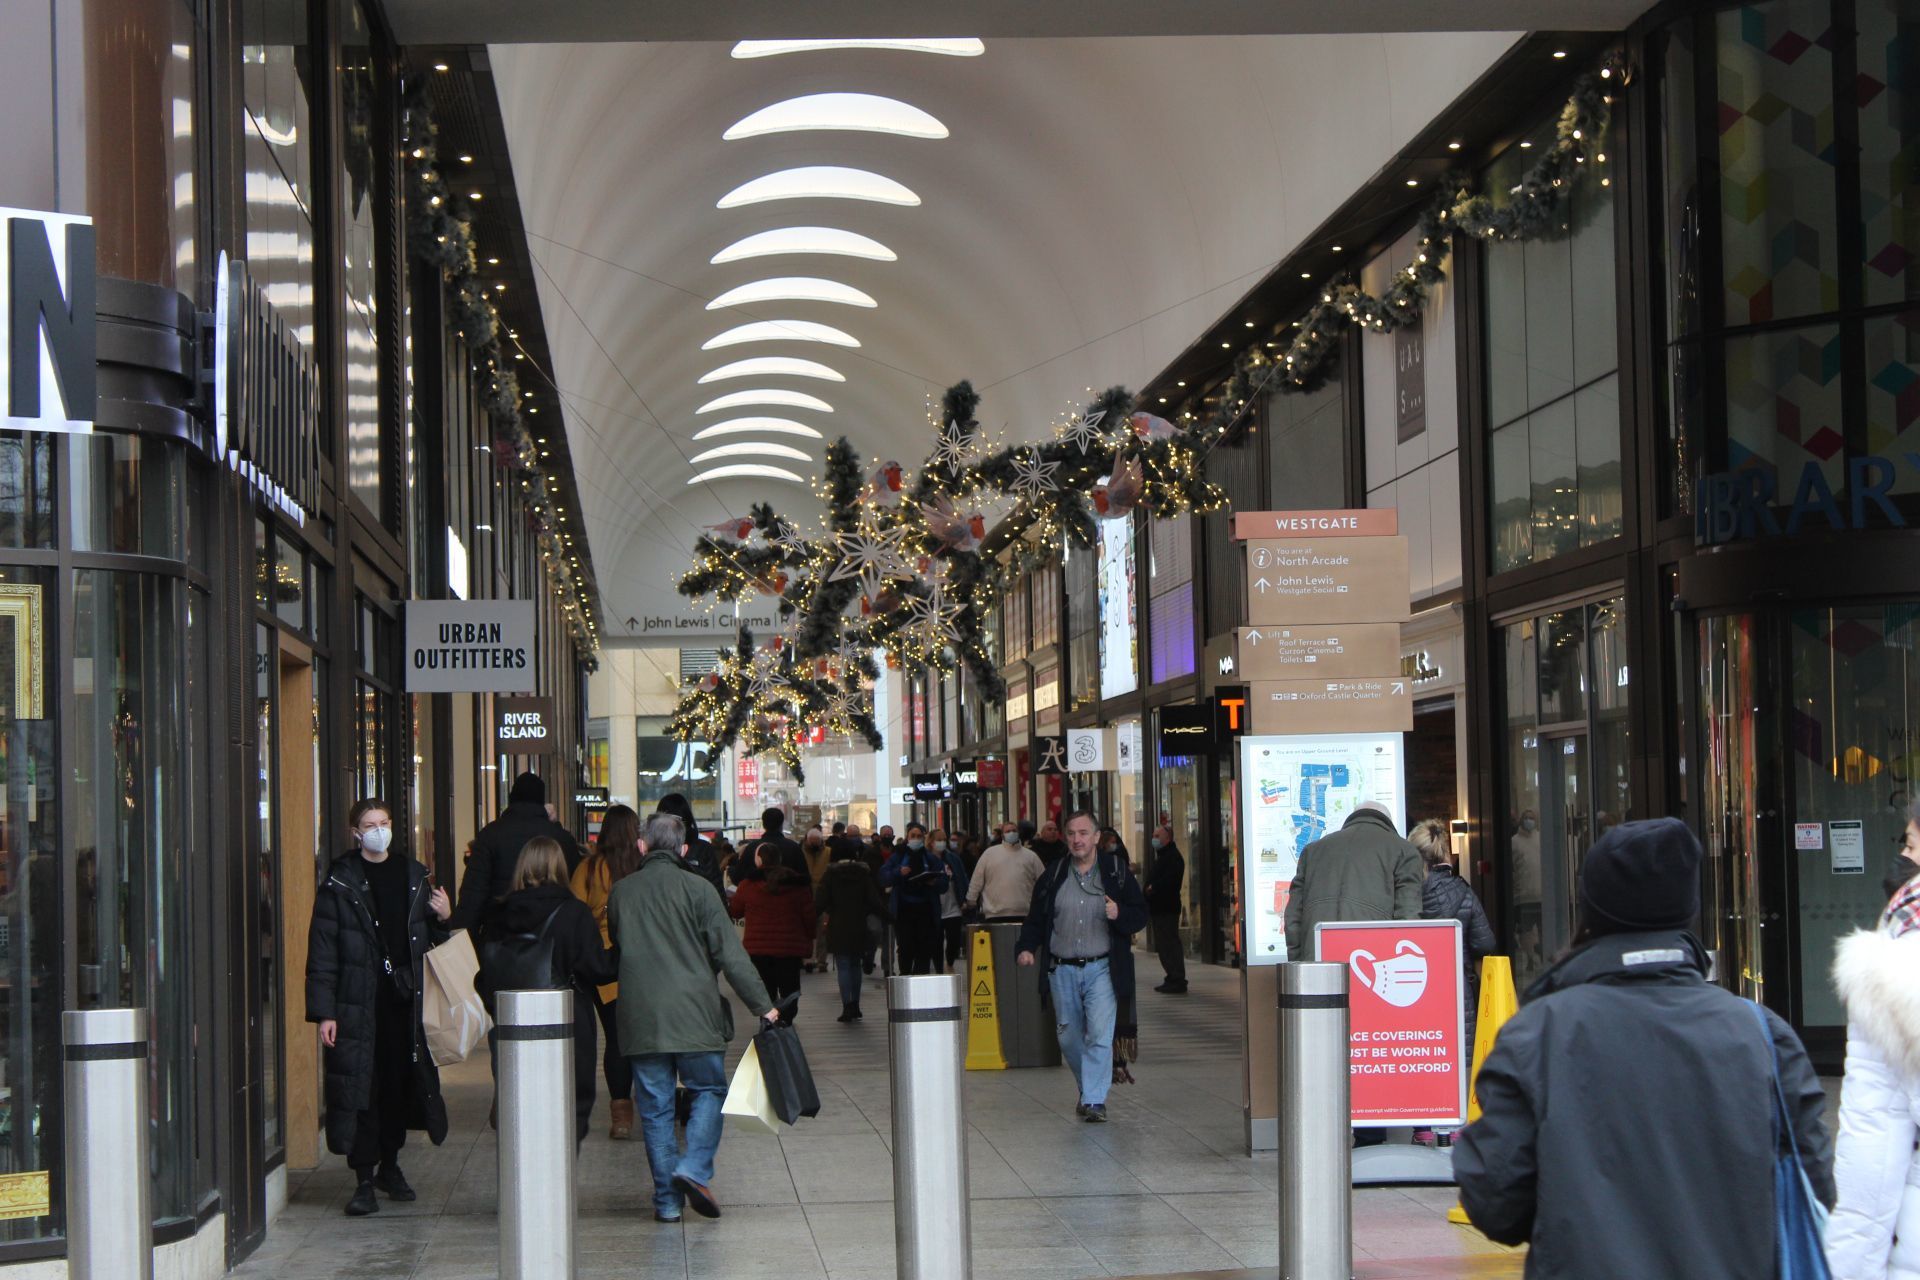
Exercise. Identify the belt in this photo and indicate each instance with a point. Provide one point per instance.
(1078, 962)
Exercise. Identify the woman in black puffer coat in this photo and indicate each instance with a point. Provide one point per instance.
(375, 911)
(1445, 896)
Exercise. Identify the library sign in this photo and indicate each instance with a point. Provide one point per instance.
(470, 646)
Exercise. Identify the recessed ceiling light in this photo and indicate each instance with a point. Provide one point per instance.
(1180, 384)
(1525, 145)
(819, 182)
(852, 112)
(1337, 248)
(1413, 182)
(1306, 275)
(773, 367)
(1559, 53)
(828, 240)
(792, 289)
(742, 469)
(1227, 344)
(768, 396)
(1453, 146)
(781, 331)
(751, 448)
(440, 66)
(466, 159)
(473, 195)
(773, 426)
(493, 262)
(770, 48)
(1249, 324)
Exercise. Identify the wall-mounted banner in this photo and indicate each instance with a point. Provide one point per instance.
(993, 774)
(1050, 754)
(470, 646)
(1086, 750)
(966, 778)
(524, 727)
(48, 338)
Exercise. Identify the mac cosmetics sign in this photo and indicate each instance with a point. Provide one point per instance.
(48, 343)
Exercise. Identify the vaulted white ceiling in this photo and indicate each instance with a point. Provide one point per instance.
(1060, 214)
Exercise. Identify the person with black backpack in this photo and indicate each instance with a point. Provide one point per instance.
(542, 937)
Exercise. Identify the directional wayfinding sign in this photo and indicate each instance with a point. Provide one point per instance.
(1408, 1061)
(1360, 704)
(1326, 652)
(1327, 580)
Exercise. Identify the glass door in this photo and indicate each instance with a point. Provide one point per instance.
(1565, 821)
(1739, 717)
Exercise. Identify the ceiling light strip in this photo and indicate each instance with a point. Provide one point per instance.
(766, 396)
(771, 426)
(773, 367)
(819, 182)
(739, 470)
(792, 289)
(781, 331)
(821, 240)
(949, 48)
(844, 112)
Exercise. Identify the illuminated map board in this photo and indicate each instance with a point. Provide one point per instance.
(1294, 790)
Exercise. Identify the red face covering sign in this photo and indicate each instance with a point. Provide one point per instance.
(1409, 1063)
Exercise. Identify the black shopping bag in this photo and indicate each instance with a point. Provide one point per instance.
(783, 1064)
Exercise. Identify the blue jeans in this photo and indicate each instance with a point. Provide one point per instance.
(1083, 1013)
(848, 969)
(705, 1077)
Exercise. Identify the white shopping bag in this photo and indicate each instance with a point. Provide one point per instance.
(455, 1021)
(748, 1102)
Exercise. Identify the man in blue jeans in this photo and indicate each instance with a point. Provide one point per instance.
(674, 936)
(1079, 930)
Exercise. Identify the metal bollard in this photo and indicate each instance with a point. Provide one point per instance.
(109, 1188)
(1316, 1154)
(926, 1047)
(537, 1205)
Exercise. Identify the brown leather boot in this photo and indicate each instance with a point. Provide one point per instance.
(622, 1119)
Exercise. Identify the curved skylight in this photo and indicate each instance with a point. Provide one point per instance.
(832, 240)
(772, 426)
(739, 469)
(766, 396)
(771, 48)
(792, 289)
(752, 448)
(819, 182)
(781, 331)
(773, 367)
(851, 112)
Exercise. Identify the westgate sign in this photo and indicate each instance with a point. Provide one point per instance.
(1738, 505)
(48, 340)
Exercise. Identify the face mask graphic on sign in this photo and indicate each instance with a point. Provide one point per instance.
(1400, 981)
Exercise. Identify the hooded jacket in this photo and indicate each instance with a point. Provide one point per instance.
(344, 979)
(1626, 1125)
(847, 895)
(489, 875)
(778, 909)
(1364, 871)
(1875, 1229)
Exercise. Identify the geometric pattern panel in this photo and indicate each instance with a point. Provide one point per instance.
(1887, 92)
(1783, 404)
(1776, 126)
(1893, 392)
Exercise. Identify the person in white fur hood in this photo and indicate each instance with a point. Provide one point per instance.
(1875, 1230)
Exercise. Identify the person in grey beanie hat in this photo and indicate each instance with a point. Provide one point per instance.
(1626, 1124)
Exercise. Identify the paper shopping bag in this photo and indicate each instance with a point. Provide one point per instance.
(748, 1104)
(452, 1015)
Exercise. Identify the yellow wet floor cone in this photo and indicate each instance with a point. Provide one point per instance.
(983, 1008)
(1498, 1002)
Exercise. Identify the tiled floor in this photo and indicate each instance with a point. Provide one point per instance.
(1163, 1189)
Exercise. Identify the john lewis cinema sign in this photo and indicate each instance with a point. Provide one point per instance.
(47, 337)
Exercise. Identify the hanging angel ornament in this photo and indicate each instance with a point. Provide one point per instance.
(953, 530)
(1121, 493)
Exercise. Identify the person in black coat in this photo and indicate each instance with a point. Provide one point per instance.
(1627, 1111)
(496, 850)
(848, 895)
(1163, 908)
(702, 858)
(374, 919)
(1445, 896)
(773, 822)
(540, 904)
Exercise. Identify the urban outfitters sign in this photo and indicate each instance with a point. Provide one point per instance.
(523, 726)
(470, 646)
(48, 342)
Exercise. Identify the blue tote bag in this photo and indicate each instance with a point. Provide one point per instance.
(1800, 1220)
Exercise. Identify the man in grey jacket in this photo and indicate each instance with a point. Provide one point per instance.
(1364, 871)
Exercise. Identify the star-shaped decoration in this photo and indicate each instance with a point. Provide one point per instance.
(763, 676)
(955, 449)
(1032, 477)
(843, 704)
(932, 614)
(1084, 432)
(790, 540)
(867, 551)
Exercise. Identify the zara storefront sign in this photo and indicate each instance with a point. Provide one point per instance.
(266, 396)
(470, 646)
(48, 339)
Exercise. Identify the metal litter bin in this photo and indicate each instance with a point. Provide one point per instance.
(1026, 1025)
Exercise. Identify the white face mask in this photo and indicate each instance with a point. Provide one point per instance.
(377, 839)
(939, 846)
(916, 844)
(1012, 838)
